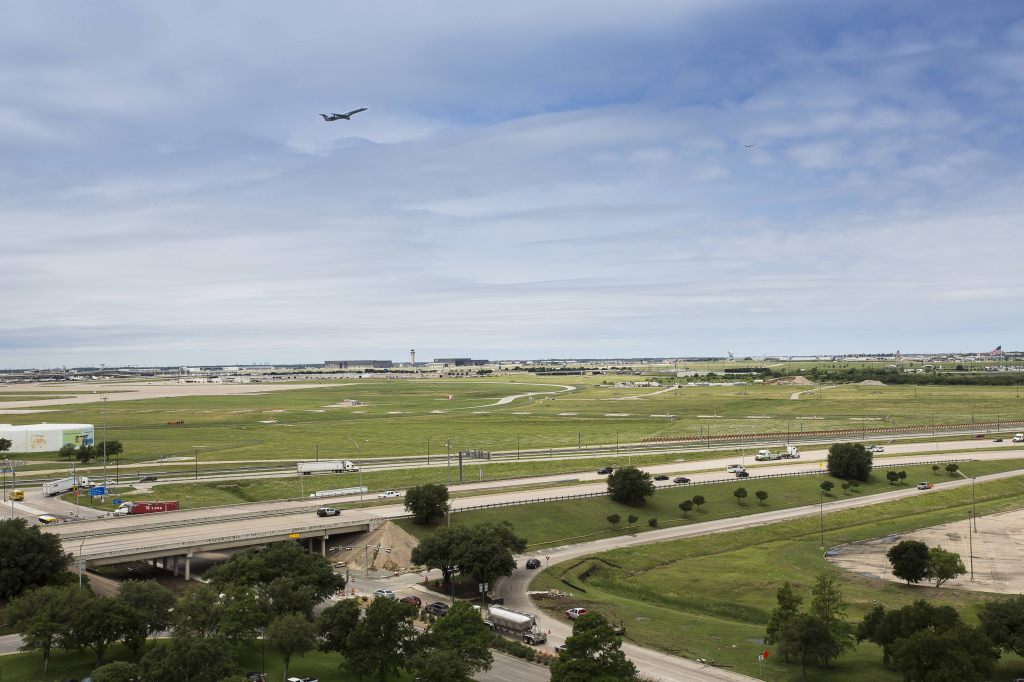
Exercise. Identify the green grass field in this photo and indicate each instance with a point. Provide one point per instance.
(403, 417)
(710, 596)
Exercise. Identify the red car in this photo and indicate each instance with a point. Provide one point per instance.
(415, 601)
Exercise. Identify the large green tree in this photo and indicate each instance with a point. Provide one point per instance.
(828, 606)
(630, 486)
(382, 642)
(486, 552)
(289, 635)
(40, 615)
(789, 606)
(427, 503)
(454, 648)
(29, 558)
(943, 566)
(909, 560)
(5, 444)
(593, 653)
(154, 601)
(96, 622)
(186, 657)
(1003, 622)
(888, 628)
(959, 654)
(849, 461)
(808, 639)
(440, 550)
(336, 623)
(237, 614)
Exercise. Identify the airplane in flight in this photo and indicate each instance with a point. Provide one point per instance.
(347, 117)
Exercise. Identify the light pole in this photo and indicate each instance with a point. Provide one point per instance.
(970, 546)
(821, 515)
(81, 561)
(104, 440)
(448, 444)
(517, 446)
(196, 458)
(974, 506)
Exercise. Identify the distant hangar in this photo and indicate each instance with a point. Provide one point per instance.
(47, 437)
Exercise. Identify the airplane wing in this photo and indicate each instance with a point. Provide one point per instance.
(356, 111)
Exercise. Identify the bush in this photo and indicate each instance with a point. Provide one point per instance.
(849, 460)
(517, 649)
(652, 522)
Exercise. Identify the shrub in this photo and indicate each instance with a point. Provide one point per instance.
(652, 522)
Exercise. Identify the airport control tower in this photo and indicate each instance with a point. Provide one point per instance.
(412, 357)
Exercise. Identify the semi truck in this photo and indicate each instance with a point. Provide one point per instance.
(326, 466)
(792, 452)
(1018, 438)
(515, 623)
(65, 485)
(134, 508)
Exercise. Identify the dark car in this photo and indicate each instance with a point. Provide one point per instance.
(533, 563)
(680, 479)
(605, 470)
(327, 511)
(661, 477)
(742, 474)
(438, 609)
(147, 478)
(998, 440)
(412, 599)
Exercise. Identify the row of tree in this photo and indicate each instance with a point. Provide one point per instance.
(922, 641)
(914, 561)
(87, 453)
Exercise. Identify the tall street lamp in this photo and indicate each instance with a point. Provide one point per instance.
(821, 515)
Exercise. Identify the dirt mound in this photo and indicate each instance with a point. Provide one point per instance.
(871, 382)
(792, 381)
(390, 549)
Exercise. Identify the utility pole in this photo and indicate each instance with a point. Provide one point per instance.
(196, 458)
(318, 452)
(970, 546)
(104, 440)
(821, 515)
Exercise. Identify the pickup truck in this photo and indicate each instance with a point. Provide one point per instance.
(388, 494)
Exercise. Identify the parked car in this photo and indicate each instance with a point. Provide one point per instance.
(438, 609)
(412, 599)
(742, 473)
(327, 511)
(680, 479)
(733, 468)
(384, 594)
(387, 494)
(661, 477)
(605, 470)
(533, 563)
(923, 485)
(575, 612)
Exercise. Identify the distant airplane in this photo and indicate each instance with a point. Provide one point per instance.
(347, 117)
(748, 146)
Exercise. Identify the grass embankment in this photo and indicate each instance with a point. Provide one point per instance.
(413, 417)
(550, 524)
(710, 596)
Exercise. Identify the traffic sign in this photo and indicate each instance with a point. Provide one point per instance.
(97, 491)
(294, 536)
(118, 503)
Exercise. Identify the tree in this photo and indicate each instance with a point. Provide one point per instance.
(381, 642)
(237, 614)
(190, 658)
(652, 522)
(740, 494)
(336, 623)
(761, 496)
(960, 653)
(902, 476)
(888, 629)
(845, 486)
(935, 468)
(849, 460)
(440, 550)
(892, 477)
(613, 519)
(909, 560)
(485, 554)
(40, 615)
(807, 639)
(686, 506)
(781, 617)
(85, 628)
(952, 468)
(699, 501)
(152, 600)
(943, 566)
(5, 444)
(29, 558)
(118, 671)
(592, 652)
(67, 451)
(291, 634)
(427, 503)
(827, 605)
(85, 453)
(1003, 621)
(454, 648)
(630, 486)
(827, 486)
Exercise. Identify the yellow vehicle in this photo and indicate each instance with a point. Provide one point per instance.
(17, 495)
(47, 519)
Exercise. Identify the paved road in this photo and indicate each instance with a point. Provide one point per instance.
(658, 665)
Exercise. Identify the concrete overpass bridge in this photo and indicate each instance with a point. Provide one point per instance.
(172, 539)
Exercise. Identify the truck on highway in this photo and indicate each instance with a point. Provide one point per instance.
(326, 466)
(1018, 438)
(65, 485)
(338, 492)
(792, 452)
(763, 455)
(133, 508)
(515, 623)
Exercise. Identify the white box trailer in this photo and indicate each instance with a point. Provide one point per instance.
(64, 485)
(338, 492)
(326, 466)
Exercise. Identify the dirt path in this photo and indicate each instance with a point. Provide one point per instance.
(796, 396)
(642, 396)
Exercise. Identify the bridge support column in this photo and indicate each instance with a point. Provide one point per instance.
(175, 565)
(188, 567)
(323, 546)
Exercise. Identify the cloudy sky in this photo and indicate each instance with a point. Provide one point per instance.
(532, 179)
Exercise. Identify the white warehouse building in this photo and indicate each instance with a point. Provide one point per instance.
(46, 437)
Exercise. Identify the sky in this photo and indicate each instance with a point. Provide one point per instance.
(530, 180)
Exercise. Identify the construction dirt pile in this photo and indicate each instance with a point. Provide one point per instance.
(792, 381)
(390, 550)
(871, 382)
